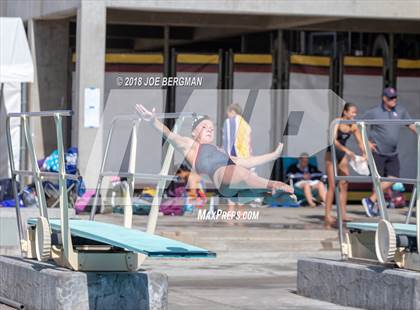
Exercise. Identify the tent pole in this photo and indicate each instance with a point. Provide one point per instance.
(23, 108)
(1, 92)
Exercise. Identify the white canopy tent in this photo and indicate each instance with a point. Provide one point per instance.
(16, 67)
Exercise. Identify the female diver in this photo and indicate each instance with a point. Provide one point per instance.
(231, 175)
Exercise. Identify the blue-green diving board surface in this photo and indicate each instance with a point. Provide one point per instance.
(130, 239)
(400, 229)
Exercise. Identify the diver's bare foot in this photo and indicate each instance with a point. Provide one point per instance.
(280, 186)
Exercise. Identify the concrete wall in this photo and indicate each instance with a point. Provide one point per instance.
(406, 9)
(51, 59)
(3, 7)
(27, 9)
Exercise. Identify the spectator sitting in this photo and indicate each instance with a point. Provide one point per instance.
(307, 177)
(189, 184)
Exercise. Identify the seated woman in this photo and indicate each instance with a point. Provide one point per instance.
(307, 178)
(231, 175)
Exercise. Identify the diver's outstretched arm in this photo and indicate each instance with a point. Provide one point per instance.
(178, 141)
(254, 161)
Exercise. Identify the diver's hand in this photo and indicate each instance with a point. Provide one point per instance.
(278, 150)
(144, 113)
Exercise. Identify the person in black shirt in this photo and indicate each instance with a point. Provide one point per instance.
(383, 142)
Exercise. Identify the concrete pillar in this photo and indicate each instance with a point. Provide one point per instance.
(280, 107)
(41, 285)
(90, 73)
(357, 285)
(33, 96)
(282, 112)
(392, 61)
(51, 52)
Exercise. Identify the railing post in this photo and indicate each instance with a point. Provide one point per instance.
(333, 127)
(376, 178)
(417, 188)
(160, 187)
(100, 178)
(14, 181)
(64, 207)
(35, 169)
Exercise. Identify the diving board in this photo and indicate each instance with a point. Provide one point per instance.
(129, 239)
(83, 245)
(400, 229)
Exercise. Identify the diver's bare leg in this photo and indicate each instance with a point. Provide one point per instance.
(240, 177)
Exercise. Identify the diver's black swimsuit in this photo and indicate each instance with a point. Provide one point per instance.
(342, 137)
(210, 158)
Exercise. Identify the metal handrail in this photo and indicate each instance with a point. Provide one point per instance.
(364, 179)
(375, 177)
(35, 172)
(142, 176)
(135, 117)
(42, 114)
(54, 175)
(376, 122)
(160, 178)
(175, 115)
